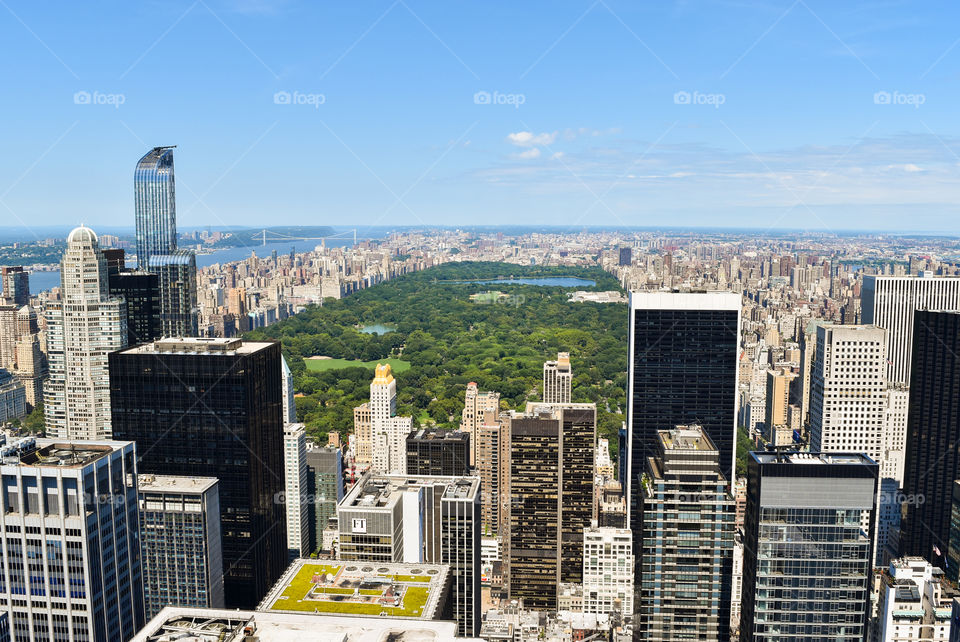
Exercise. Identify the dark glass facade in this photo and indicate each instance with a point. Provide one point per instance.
(438, 452)
(197, 412)
(179, 311)
(683, 371)
(933, 428)
(16, 284)
(141, 291)
(808, 552)
(551, 502)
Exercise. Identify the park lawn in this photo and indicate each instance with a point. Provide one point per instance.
(322, 365)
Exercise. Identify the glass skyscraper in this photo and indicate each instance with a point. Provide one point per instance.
(155, 205)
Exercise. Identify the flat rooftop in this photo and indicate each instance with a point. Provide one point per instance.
(198, 345)
(174, 484)
(175, 624)
(811, 458)
(383, 491)
(55, 453)
(410, 591)
(438, 434)
(686, 438)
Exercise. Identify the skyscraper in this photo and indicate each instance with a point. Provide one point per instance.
(324, 488)
(557, 379)
(626, 256)
(890, 302)
(607, 570)
(141, 293)
(431, 451)
(493, 456)
(933, 424)
(296, 492)
(71, 549)
(687, 535)
(808, 559)
(388, 431)
(393, 518)
(155, 205)
(83, 327)
(479, 409)
(550, 499)
(179, 314)
(16, 284)
(682, 369)
(180, 540)
(211, 407)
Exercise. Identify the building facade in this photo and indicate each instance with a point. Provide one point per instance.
(913, 603)
(296, 491)
(71, 549)
(16, 284)
(179, 313)
(688, 531)
(141, 294)
(155, 205)
(480, 408)
(82, 329)
(324, 488)
(180, 539)
(212, 407)
(808, 560)
(933, 423)
(557, 379)
(388, 432)
(432, 451)
(607, 570)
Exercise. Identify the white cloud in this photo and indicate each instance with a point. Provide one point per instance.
(529, 139)
(557, 155)
(533, 152)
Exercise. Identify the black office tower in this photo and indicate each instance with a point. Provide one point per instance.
(626, 256)
(212, 408)
(683, 351)
(179, 312)
(141, 291)
(933, 430)
(431, 451)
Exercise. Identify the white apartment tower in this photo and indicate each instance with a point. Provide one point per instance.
(557, 379)
(479, 409)
(388, 431)
(890, 301)
(608, 570)
(83, 327)
(295, 490)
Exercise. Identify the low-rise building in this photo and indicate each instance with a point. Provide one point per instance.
(915, 602)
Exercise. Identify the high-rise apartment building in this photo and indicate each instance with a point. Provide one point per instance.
(289, 399)
(83, 327)
(890, 303)
(684, 351)
(432, 451)
(16, 284)
(362, 434)
(180, 540)
(391, 518)
(324, 488)
(177, 272)
(480, 408)
(779, 432)
(550, 502)
(557, 379)
(212, 407)
(626, 256)
(296, 491)
(388, 432)
(9, 331)
(493, 455)
(688, 530)
(71, 551)
(13, 397)
(155, 205)
(808, 560)
(933, 424)
(608, 565)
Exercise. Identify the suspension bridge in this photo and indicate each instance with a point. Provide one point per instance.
(270, 235)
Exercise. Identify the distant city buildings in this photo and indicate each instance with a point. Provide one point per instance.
(180, 542)
(212, 407)
(82, 329)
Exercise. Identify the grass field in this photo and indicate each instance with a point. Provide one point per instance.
(292, 599)
(322, 365)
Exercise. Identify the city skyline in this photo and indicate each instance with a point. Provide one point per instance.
(801, 115)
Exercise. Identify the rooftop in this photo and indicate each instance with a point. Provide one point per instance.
(811, 458)
(412, 591)
(52, 453)
(689, 437)
(174, 484)
(382, 491)
(438, 434)
(174, 624)
(198, 345)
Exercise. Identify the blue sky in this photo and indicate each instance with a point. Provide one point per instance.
(780, 114)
